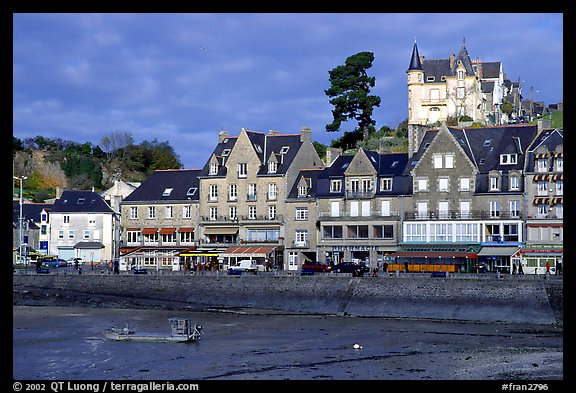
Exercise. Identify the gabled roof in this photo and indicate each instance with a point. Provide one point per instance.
(550, 138)
(221, 152)
(285, 147)
(491, 70)
(72, 201)
(168, 185)
(316, 179)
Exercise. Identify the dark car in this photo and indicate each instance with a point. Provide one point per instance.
(49, 263)
(356, 269)
(315, 267)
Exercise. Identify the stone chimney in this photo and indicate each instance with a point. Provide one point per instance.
(305, 134)
(59, 191)
(332, 153)
(452, 58)
(222, 135)
(273, 132)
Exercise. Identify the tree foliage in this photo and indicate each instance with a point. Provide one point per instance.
(349, 93)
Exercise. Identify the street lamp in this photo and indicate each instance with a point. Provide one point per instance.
(20, 223)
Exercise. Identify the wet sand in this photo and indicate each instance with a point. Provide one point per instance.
(250, 344)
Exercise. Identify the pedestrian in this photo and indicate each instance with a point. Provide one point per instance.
(514, 268)
(520, 269)
(116, 267)
(405, 266)
(548, 267)
(385, 267)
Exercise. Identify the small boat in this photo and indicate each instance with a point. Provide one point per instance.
(182, 331)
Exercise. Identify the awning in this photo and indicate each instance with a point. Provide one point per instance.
(557, 200)
(132, 229)
(185, 229)
(495, 251)
(558, 177)
(220, 231)
(88, 245)
(542, 155)
(435, 254)
(167, 231)
(541, 200)
(149, 231)
(198, 253)
(541, 177)
(247, 251)
(556, 155)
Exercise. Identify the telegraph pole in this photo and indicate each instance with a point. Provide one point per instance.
(21, 220)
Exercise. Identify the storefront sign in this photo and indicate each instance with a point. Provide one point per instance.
(355, 248)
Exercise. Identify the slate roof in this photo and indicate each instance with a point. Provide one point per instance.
(487, 87)
(491, 70)
(72, 201)
(183, 182)
(30, 211)
(550, 138)
(264, 145)
(484, 146)
(386, 165)
(415, 63)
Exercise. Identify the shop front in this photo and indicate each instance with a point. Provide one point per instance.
(534, 258)
(372, 255)
(265, 256)
(497, 258)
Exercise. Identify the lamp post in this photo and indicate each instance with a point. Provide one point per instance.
(21, 219)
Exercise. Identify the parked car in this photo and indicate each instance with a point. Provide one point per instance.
(72, 261)
(245, 265)
(49, 263)
(61, 262)
(356, 269)
(315, 267)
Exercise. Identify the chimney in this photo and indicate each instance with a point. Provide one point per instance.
(305, 134)
(332, 154)
(452, 57)
(222, 135)
(59, 191)
(273, 132)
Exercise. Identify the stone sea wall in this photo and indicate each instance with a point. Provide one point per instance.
(508, 299)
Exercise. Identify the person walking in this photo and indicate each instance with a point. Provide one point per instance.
(520, 269)
(548, 268)
(514, 268)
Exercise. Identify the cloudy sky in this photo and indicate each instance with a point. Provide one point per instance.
(182, 78)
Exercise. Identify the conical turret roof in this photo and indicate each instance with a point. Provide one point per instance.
(415, 63)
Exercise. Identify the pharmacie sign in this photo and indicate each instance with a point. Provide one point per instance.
(355, 248)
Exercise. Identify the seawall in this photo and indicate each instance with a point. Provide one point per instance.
(508, 299)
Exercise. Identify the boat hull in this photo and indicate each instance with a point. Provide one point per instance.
(149, 337)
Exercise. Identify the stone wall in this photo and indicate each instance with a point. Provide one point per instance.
(471, 299)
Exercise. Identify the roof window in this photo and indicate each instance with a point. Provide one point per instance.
(191, 191)
(284, 149)
(81, 201)
(167, 192)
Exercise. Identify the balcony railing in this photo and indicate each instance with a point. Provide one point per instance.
(301, 243)
(360, 194)
(462, 215)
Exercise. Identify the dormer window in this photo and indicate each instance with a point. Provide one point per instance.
(213, 168)
(302, 191)
(494, 183)
(430, 78)
(242, 170)
(272, 167)
(461, 74)
(508, 159)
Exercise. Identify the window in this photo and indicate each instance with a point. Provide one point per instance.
(466, 232)
(443, 209)
(366, 185)
(560, 164)
(449, 161)
(225, 152)
(443, 184)
(422, 184)
(272, 166)
(515, 209)
(263, 235)
(464, 184)
(168, 237)
(494, 183)
(301, 213)
(232, 212)
(386, 184)
(559, 187)
(284, 149)
(86, 234)
(252, 192)
(514, 183)
(301, 238)
(167, 192)
(354, 185)
(242, 170)
(494, 208)
(213, 192)
(186, 237)
(133, 213)
(542, 210)
(510, 232)
(133, 236)
(542, 165)
(151, 212)
(335, 185)
(543, 187)
(357, 231)
(187, 211)
(365, 208)
(441, 232)
(422, 210)
(232, 192)
(66, 219)
(272, 212)
(415, 233)
(191, 191)
(461, 74)
(460, 92)
(71, 234)
(383, 231)
(508, 159)
(335, 208)
(354, 208)
(332, 232)
(302, 191)
(252, 212)
(213, 213)
(272, 191)
(385, 208)
(80, 201)
(44, 229)
(169, 212)
(465, 209)
(292, 260)
(213, 168)
(60, 234)
(437, 159)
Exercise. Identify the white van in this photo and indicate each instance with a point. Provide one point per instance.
(245, 265)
